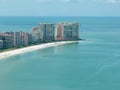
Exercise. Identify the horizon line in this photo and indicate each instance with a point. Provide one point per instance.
(53, 16)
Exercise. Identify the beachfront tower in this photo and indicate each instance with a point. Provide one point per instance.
(20, 39)
(37, 34)
(1, 44)
(6, 40)
(48, 31)
(67, 31)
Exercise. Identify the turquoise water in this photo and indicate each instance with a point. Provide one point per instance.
(90, 65)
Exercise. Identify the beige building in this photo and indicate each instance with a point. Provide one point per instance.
(19, 38)
(43, 32)
(67, 31)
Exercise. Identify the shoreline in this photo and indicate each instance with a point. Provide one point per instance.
(7, 54)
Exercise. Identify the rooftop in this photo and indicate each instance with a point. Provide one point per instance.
(68, 23)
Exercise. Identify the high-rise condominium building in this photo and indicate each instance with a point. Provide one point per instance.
(20, 39)
(37, 34)
(67, 31)
(43, 32)
(1, 44)
(6, 40)
(48, 30)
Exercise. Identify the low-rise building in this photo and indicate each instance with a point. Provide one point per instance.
(67, 31)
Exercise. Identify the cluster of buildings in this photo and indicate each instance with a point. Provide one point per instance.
(44, 32)
(14, 39)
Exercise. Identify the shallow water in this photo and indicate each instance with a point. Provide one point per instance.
(90, 65)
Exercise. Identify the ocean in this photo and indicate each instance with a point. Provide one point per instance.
(93, 64)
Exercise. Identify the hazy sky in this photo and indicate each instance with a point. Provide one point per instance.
(59, 7)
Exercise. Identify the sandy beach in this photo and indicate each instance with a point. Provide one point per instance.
(32, 48)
